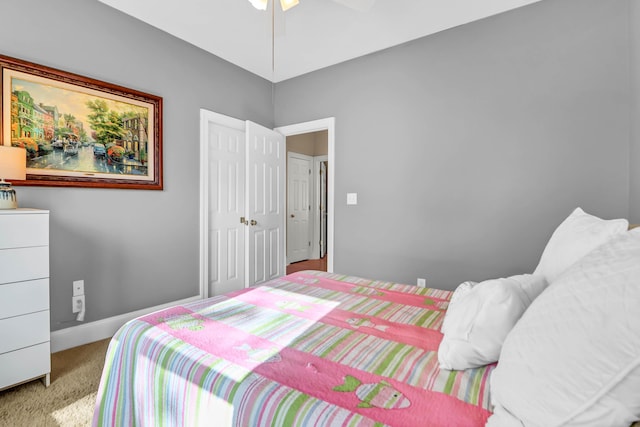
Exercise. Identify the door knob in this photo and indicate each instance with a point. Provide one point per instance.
(293, 216)
(254, 222)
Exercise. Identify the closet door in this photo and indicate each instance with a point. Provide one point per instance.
(265, 201)
(226, 182)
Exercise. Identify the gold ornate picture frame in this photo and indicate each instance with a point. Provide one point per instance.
(79, 131)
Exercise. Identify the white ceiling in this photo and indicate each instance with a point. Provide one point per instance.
(313, 35)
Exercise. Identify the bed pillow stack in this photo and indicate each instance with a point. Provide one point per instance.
(479, 317)
(573, 359)
(575, 237)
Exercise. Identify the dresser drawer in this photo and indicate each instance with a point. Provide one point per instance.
(24, 331)
(19, 229)
(24, 297)
(25, 364)
(22, 264)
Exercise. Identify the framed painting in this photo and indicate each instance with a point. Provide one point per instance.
(78, 131)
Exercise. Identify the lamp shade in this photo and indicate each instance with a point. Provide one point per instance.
(13, 163)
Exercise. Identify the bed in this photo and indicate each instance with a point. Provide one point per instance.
(307, 349)
(323, 349)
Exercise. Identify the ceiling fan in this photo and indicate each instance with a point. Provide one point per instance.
(262, 4)
(359, 5)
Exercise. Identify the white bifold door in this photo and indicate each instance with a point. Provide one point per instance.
(243, 204)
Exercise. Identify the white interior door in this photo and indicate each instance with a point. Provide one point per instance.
(226, 175)
(222, 266)
(265, 199)
(298, 207)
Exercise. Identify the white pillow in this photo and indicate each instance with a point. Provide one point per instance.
(575, 237)
(462, 289)
(573, 359)
(479, 319)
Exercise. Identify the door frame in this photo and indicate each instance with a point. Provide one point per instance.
(327, 124)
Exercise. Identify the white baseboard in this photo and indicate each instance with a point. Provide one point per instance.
(101, 329)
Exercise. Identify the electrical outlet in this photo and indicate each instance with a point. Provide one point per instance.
(422, 283)
(77, 304)
(78, 288)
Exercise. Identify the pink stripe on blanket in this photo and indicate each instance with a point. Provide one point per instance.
(382, 399)
(416, 300)
(417, 336)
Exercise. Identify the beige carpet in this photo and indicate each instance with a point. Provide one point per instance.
(68, 401)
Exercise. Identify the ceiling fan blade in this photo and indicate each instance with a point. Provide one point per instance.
(359, 5)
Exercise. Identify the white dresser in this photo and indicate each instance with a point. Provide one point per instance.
(24, 296)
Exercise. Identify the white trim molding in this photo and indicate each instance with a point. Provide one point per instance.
(74, 336)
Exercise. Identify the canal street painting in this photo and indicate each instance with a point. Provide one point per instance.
(78, 131)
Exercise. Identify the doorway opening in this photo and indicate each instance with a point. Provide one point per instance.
(307, 162)
(312, 145)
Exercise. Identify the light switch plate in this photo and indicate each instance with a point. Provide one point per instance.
(352, 198)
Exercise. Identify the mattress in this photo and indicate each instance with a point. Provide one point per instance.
(307, 349)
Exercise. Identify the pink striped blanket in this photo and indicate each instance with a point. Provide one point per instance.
(308, 349)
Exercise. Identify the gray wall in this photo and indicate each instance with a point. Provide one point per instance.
(634, 158)
(134, 249)
(466, 148)
(469, 147)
